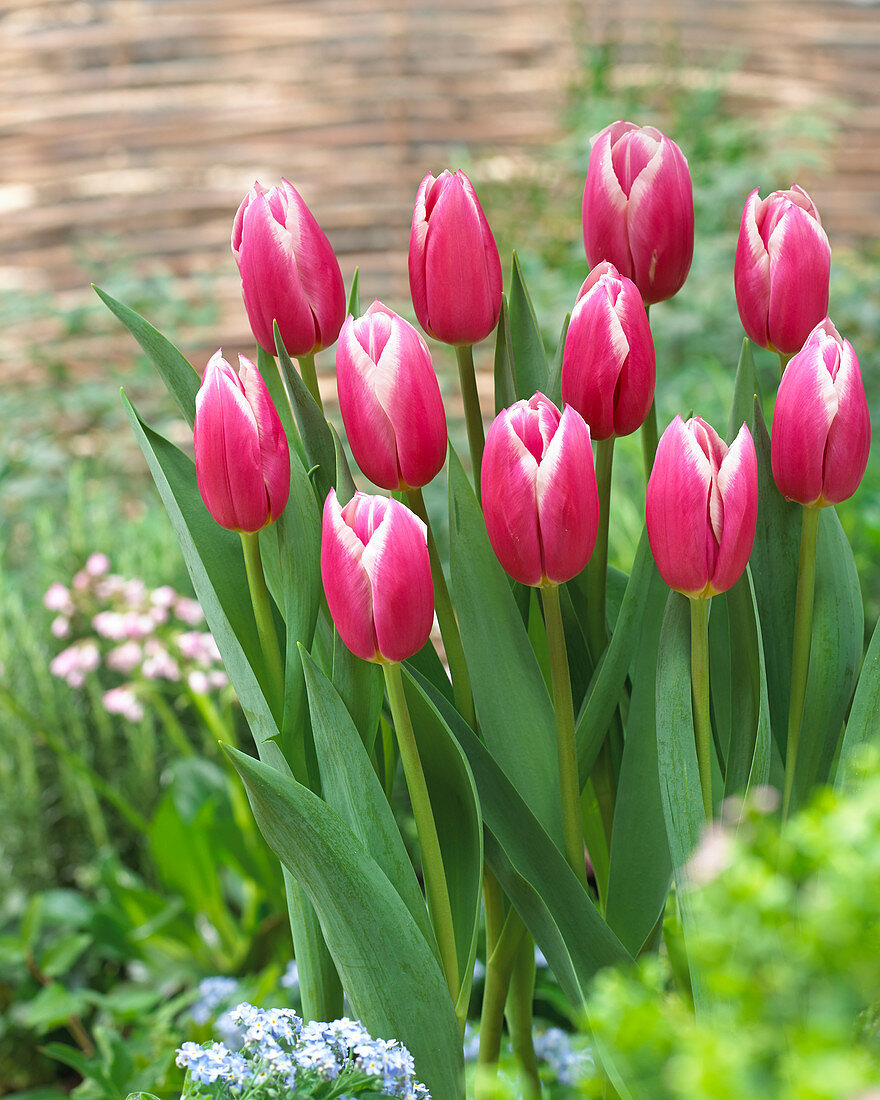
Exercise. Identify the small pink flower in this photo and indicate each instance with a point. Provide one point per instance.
(60, 627)
(58, 598)
(189, 611)
(123, 701)
(198, 682)
(97, 565)
(125, 658)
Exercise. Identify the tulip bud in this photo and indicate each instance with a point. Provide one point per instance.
(702, 507)
(390, 400)
(289, 272)
(538, 485)
(638, 210)
(821, 426)
(454, 269)
(608, 369)
(242, 460)
(377, 576)
(782, 269)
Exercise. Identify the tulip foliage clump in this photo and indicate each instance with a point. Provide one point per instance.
(564, 732)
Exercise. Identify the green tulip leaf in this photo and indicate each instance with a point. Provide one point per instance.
(389, 972)
(745, 389)
(345, 486)
(505, 383)
(554, 385)
(316, 435)
(270, 372)
(510, 696)
(177, 373)
(350, 787)
(640, 868)
(534, 873)
(362, 688)
(863, 727)
(526, 345)
(644, 598)
(456, 810)
(354, 300)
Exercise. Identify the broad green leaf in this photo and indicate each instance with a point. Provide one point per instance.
(748, 761)
(60, 957)
(720, 680)
(215, 562)
(644, 597)
(511, 700)
(535, 875)
(177, 373)
(745, 390)
(391, 976)
(640, 867)
(428, 664)
(526, 345)
(345, 487)
(313, 428)
(774, 563)
(554, 385)
(52, 1006)
(505, 383)
(680, 790)
(270, 372)
(362, 689)
(457, 816)
(863, 726)
(354, 300)
(835, 655)
(349, 786)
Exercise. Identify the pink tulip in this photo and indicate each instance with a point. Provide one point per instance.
(638, 210)
(782, 268)
(540, 499)
(390, 400)
(242, 460)
(608, 367)
(702, 507)
(454, 269)
(289, 272)
(821, 426)
(377, 576)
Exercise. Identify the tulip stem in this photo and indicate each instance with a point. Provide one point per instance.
(436, 889)
(262, 604)
(649, 439)
(461, 681)
(310, 377)
(499, 967)
(473, 417)
(800, 657)
(783, 362)
(700, 695)
(566, 749)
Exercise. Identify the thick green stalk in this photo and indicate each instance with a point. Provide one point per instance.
(473, 417)
(461, 681)
(499, 967)
(309, 374)
(262, 603)
(519, 1011)
(597, 569)
(436, 888)
(566, 748)
(800, 657)
(700, 694)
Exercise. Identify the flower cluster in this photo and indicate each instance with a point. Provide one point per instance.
(142, 635)
(281, 1055)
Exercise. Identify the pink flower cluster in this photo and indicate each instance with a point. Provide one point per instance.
(146, 636)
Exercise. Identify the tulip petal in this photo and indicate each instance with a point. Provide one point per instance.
(806, 405)
(228, 466)
(660, 224)
(397, 563)
(737, 484)
(271, 282)
(849, 437)
(346, 582)
(635, 384)
(318, 271)
(274, 452)
(751, 275)
(676, 510)
(367, 426)
(800, 266)
(568, 499)
(604, 208)
(418, 285)
(596, 349)
(508, 489)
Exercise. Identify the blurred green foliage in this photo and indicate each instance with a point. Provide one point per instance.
(787, 945)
